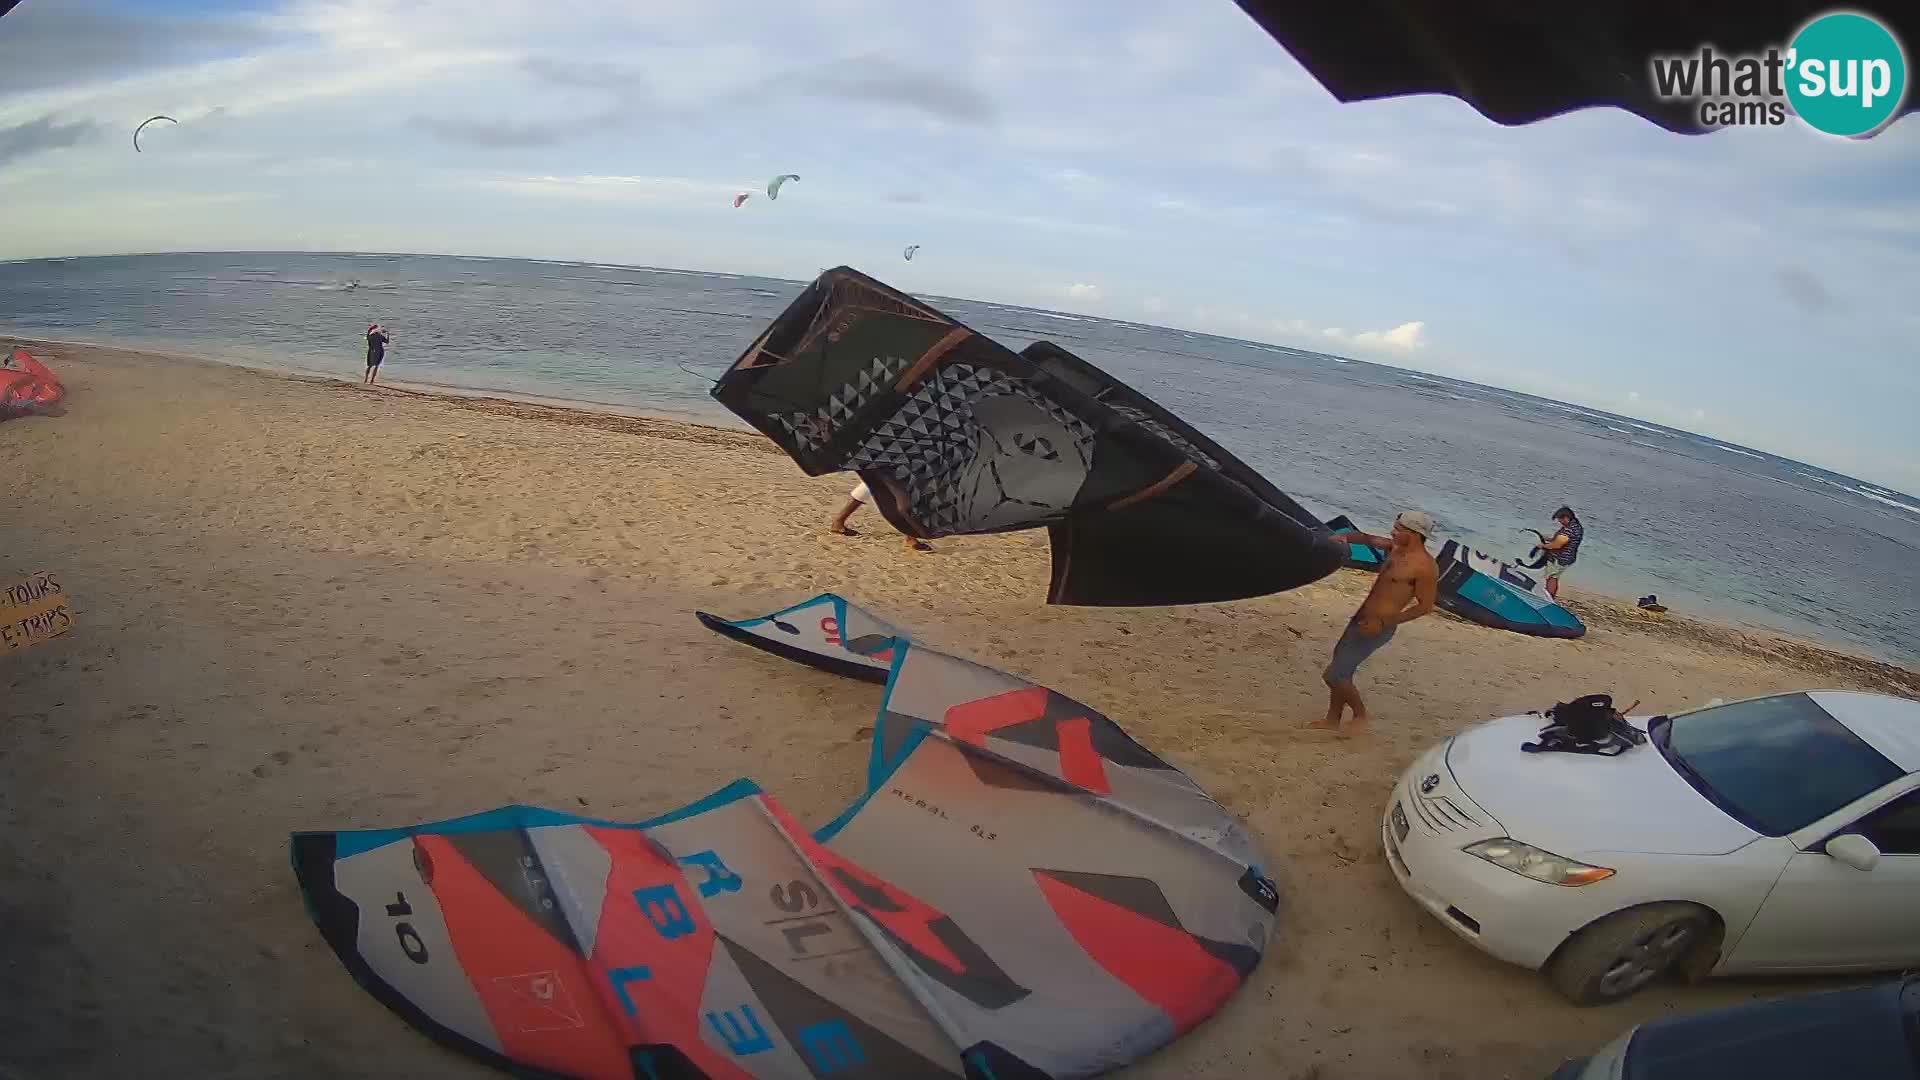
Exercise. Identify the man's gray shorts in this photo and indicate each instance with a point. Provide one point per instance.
(1352, 650)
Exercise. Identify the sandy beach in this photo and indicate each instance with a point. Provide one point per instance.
(307, 604)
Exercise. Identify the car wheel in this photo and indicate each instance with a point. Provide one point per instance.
(1619, 955)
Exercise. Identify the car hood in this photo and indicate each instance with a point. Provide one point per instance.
(1575, 803)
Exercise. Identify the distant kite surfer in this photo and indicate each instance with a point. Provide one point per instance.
(862, 494)
(376, 351)
(1403, 591)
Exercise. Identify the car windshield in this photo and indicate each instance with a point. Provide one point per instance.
(1776, 764)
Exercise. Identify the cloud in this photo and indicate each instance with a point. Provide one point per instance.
(876, 80)
(1076, 181)
(503, 134)
(1083, 292)
(1407, 337)
(906, 198)
(68, 42)
(585, 74)
(1807, 292)
(621, 85)
(34, 136)
(675, 190)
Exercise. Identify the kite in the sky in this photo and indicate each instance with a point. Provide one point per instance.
(911, 248)
(741, 198)
(1022, 893)
(956, 434)
(29, 387)
(143, 126)
(774, 185)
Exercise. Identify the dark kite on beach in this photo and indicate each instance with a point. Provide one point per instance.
(956, 434)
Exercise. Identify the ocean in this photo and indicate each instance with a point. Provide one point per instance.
(1714, 529)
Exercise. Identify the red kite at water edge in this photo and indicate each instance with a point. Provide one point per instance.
(27, 386)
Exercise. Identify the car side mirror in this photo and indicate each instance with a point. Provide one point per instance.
(1854, 850)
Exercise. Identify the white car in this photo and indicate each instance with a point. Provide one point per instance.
(1778, 834)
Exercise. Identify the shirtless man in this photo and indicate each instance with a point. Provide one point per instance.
(1402, 593)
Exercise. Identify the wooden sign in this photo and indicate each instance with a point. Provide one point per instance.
(33, 609)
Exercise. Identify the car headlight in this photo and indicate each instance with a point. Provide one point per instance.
(1529, 861)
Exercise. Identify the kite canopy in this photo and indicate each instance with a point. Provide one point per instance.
(1519, 63)
(1022, 893)
(741, 198)
(1116, 905)
(719, 941)
(956, 434)
(27, 387)
(908, 253)
(774, 185)
(143, 127)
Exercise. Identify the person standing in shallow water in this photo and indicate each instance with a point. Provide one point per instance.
(376, 351)
(1402, 592)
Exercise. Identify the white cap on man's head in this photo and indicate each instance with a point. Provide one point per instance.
(1415, 521)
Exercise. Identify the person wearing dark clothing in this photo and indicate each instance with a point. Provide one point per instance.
(376, 350)
(1562, 548)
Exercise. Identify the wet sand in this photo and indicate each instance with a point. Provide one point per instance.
(304, 604)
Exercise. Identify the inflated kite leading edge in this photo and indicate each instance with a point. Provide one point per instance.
(955, 434)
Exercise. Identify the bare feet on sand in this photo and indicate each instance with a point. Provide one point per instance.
(912, 544)
(1359, 725)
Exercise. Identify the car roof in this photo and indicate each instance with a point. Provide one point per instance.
(1889, 724)
(1842, 1033)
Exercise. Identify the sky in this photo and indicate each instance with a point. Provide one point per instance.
(1150, 161)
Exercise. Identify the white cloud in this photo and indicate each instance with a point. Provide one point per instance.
(1407, 337)
(1078, 181)
(675, 190)
(1083, 292)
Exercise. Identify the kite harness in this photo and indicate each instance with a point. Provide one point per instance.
(1586, 725)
